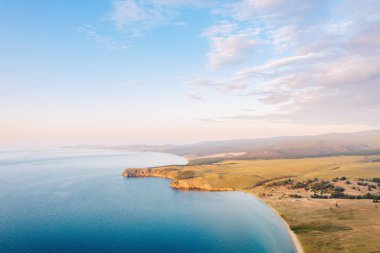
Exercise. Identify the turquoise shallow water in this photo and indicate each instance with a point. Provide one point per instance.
(76, 201)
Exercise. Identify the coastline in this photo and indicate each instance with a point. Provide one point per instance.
(136, 173)
(296, 242)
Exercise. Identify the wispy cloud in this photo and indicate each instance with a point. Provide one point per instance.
(277, 65)
(252, 23)
(137, 16)
(308, 60)
(320, 68)
(129, 19)
(108, 42)
(195, 96)
(204, 82)
(223, 86)
(229, 44)
(272, 12)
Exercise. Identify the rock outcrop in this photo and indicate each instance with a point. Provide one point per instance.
(189, 185)
(179, 184)
(146, 173)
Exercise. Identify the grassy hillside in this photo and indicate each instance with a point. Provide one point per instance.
(285, 147)
(288, 146)
(243, 174)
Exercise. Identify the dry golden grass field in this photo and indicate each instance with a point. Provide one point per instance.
(242, 174)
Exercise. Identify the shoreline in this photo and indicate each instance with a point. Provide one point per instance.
(296, 242)
(292, 235)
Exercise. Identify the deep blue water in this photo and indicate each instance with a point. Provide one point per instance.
(77, 201)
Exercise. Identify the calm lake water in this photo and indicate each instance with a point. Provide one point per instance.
(76, 201)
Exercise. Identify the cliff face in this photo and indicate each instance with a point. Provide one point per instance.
(136, 173)
(180, 184)
(189, 185)
(148, 173)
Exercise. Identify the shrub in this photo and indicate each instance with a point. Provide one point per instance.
(299, 185)
(322, 186)
(280, 183)
(309, 181)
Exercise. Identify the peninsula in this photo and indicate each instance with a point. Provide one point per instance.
(330, 202)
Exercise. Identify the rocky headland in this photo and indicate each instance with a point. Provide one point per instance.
(179, 181)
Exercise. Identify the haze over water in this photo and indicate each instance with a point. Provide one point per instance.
(77, 201)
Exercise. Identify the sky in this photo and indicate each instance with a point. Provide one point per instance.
(118, 72)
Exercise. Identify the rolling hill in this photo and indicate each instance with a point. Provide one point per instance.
(357, 143)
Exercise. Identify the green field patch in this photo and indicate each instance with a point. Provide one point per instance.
(319, 227)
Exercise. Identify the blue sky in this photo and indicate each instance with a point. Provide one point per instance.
(179, 71)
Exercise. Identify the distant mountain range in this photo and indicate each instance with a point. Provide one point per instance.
(358, 143)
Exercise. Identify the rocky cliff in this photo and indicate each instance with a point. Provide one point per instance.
(148, 173)
(180, 184)
(189, 185)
